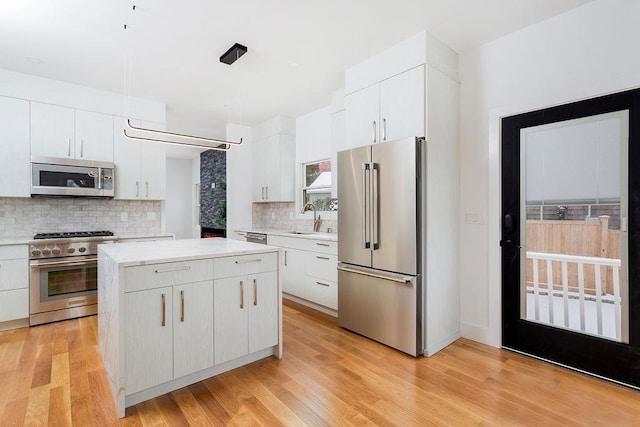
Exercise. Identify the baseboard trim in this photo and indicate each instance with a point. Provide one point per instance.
(318, 307)
(431, 350)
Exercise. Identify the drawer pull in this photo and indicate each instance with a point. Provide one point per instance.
(241, 294)
(249, 261)
(323, 244)
(323, 284)
(323, 257)
(285, 258)
(169, 270)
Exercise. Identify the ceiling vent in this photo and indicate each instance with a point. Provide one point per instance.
(232, 55)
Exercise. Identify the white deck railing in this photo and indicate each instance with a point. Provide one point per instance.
(565, 295)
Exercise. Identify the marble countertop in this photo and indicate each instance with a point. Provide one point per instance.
(141, 253)
(333, 237)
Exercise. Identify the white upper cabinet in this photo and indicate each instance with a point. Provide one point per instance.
(140, 166)
(389, 110)
(93, 136)
(15, 174)
(67, 133)
(274, 169)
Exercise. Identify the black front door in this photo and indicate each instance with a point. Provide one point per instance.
(570, 235)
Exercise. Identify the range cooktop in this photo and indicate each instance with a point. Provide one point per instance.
(72, 234)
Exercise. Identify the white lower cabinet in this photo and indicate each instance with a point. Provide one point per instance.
(14, 282)
(293, 272)
(148, 338)
(310, 269)
(169, 333)
(246, 314)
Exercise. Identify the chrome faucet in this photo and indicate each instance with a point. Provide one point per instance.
(316, 218)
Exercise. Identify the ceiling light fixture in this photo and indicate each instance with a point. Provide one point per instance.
(206, 143)
(234, 52)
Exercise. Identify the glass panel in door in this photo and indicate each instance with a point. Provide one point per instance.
(573, 219)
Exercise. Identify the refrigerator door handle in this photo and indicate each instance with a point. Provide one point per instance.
(375, 200)
(365, 213)
(392, 277)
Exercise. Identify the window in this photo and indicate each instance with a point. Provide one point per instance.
(317, 185)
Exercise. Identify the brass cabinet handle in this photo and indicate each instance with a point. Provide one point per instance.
(68, 147)
(285, 258)
(323, 257)
(164, 310)
(262, 193)
(137, 188)
(182, 305)
(323, 284)
(146, 185)
(82, 148)
(266, 192)
(384, 129)
(323, 244)
(255, 292)
(169, 270)
(241, 294)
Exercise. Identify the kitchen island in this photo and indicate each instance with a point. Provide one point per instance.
(171, 313)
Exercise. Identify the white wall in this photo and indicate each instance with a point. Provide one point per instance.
(583, 53)
(239, 179)
(179, 203)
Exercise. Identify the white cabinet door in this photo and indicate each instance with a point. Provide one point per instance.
(231, 297)
(274, 169)
(263, 311)
(192, 327)
(148, 338)
(126, 156)
(93, 136)
(259, 170)
(14, 304)
(402, 105)
(362, 116)
(293, 272)
(15, 172)
(141, 169)
(14, 274)
(52, 131)
(153, 171)
(338, 143)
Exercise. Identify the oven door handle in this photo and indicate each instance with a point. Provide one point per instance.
(64, 263)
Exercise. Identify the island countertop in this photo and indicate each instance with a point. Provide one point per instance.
(141, 253)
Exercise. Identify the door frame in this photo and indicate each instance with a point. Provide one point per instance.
(612, 360)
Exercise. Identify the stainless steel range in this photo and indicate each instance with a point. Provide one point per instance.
(63, 277)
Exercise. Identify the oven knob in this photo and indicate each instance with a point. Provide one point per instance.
(82, 249)
(55, 251)
(71, 250)
(36, 252)
(46, 251)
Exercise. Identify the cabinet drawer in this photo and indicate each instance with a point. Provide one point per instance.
(14, 274)
(322, 246)
(167, 274)
(323, 292)
(244, 264)
(322, 266)
(14, 252)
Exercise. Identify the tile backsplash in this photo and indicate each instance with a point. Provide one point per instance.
(282, 215)
(23, 217)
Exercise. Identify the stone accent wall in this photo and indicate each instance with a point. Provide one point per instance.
(213, 169)
(24, 217)
(282, 215)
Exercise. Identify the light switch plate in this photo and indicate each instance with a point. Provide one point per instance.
(473, 217)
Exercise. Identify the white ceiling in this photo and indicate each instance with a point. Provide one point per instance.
(298, 49)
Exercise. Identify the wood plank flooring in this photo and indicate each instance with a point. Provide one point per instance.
(53, 375)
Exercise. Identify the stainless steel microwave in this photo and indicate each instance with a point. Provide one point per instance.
(52, 176)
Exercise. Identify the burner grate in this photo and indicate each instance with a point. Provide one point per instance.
(72, 234)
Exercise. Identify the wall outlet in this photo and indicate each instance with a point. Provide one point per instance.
(151, 216)
(124, 216)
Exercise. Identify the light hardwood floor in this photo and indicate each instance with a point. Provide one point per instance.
(53, 375)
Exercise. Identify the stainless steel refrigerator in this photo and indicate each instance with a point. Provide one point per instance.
(379, 242)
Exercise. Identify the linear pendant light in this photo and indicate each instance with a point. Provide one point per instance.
(206, 143)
